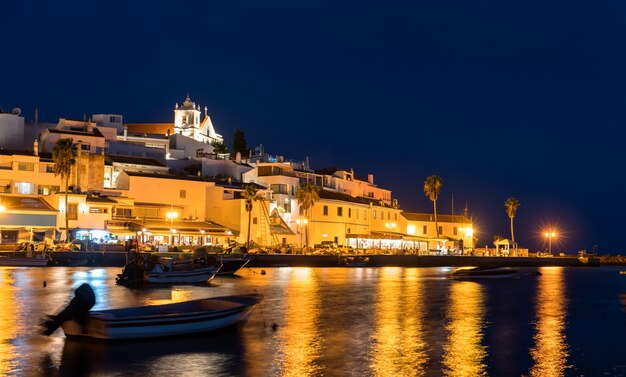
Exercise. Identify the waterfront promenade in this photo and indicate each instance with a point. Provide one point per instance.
(119, 258)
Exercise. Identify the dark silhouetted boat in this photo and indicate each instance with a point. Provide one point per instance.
(484, 273)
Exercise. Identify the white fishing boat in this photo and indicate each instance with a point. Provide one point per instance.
(154, 321)
(39, 260)
(165, 271)
(484, 273)
(190, 276)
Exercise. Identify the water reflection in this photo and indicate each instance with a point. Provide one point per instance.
(550, 351)
(464, 355)
(207, 355)
(399, 349)
(299, 340)
(8, 316)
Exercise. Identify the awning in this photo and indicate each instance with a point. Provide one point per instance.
(198, 228)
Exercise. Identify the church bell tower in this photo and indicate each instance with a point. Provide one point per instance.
(187, 119)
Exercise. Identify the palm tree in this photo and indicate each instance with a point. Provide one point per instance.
(307, 195)
(250, 195)
(432, 188)
(64, 155)
(511, 205)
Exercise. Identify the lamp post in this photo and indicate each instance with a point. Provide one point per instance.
(2, 209)
(390, 227)
(171, 215)
(301, 224)
(467, 233)
(550, 235)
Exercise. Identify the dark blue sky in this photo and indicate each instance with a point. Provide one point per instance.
(524, 99)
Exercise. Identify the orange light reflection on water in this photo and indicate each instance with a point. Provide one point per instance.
(8, 313)
(550, 351)
(299, 343)
(464, 355)
(399, 349)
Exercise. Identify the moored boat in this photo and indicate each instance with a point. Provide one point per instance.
(189, 317)
(154, 321)
(163, 271)
(485, 273)
(355, 261)
(230, 265)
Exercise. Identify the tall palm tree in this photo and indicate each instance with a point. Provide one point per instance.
(250, 195)
(64, 155)
(432, 188)
(511, 205)
(307, 195)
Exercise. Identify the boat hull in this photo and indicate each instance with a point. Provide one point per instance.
(485, 273)
(197, 275)
(166, 321)
(230, 266)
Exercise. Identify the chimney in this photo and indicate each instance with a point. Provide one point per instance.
(36, 147)
(238, 158)
(126, 131)
(36, 115)
(370, 179)
(280, 158)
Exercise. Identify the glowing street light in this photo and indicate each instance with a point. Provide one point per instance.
(301, 224)
(550, 235)
(171, 215)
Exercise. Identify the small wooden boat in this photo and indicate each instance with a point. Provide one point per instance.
(189, 317)
(191, 275)
(230, 265)
(357, 261)
(484, 273)
(139, 271)
(39, 260)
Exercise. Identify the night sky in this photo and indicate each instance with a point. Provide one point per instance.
(501, 99)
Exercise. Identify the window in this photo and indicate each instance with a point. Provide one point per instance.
(24, 188)
(123, 212)
(425, 229)
(47, 190)
(349, 212)
(374, 214)
(339, 211)
(440, 230)
(357, 213)
(25, 166)
(454, 230)
(49, 168)
(5, 186)
(325, 210)
(85, 147)
(183, 194)
(98, 210)
(72, 211)
(254, 220)
(388, 215)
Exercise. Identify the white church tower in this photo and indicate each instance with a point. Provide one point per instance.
(187, 119)
(187, 123)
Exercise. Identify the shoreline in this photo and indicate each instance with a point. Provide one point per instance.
(119, 259)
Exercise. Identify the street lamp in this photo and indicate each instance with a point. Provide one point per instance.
(550, 235)
(467, 232)
(390, 227)
(301, 224)
(171, 215)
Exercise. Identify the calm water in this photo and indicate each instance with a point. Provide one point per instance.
(338, 322)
